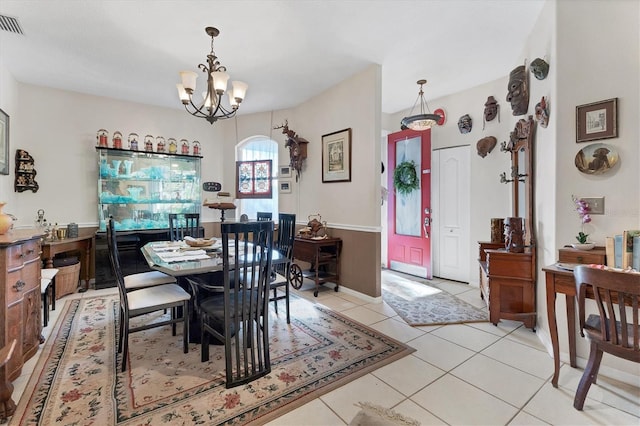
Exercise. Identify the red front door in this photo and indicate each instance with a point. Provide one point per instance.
(409, 225)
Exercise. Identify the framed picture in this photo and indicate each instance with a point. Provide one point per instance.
(285, 187)
(4, 143)
(598, 120)
(336, 156)
(284, 171)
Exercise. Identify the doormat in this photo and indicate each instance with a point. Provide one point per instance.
(77, 379)
(422, 304)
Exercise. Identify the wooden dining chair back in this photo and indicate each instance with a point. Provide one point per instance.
(284, 245)
(262, 216)
(184, 225)
(615, 329)
(238, 316)
(146, 300)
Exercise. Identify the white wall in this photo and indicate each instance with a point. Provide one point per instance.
(9, 104)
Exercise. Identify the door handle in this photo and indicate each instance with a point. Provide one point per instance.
(425, 225)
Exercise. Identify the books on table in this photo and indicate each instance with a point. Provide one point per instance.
(627, 247)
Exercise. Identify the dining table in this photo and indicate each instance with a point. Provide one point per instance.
(180, 260)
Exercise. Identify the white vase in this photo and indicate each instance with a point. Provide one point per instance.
(585, 246)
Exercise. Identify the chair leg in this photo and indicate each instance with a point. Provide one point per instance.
(52, 286)
(286, 299)
(174, 316)
(588, 377)
(204, 340)
(185, 328)
(125, 347)
(275, 299)
(45, 309)
(121, 331)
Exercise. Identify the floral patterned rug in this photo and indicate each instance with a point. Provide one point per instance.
(421, 304)
(78, 381)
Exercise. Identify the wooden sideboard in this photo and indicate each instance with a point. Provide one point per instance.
(20, 304)
(508, 283)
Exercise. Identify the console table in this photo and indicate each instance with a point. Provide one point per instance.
(83, 244)
(319, 253)
(560, 280)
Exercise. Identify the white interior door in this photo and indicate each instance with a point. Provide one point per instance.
(451, 218)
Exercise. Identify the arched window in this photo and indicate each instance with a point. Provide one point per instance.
(259, 148)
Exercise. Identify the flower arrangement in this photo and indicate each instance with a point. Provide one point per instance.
(583, 209)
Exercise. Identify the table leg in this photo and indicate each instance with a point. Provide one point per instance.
(48, 262)
(553, 329)
(571, 322)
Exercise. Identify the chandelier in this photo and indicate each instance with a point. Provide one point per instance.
(211, 108)
(422, 121)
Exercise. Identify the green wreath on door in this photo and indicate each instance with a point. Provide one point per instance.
(405, 178)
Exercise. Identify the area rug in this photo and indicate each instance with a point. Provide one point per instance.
(421, 304)
(77, 380)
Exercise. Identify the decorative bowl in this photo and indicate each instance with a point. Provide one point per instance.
(585, 246)
(199, 242)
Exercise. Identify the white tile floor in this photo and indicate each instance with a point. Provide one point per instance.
(475, 374)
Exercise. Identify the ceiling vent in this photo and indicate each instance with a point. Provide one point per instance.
(7, 23)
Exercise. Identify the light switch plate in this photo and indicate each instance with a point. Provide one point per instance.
(596, 204)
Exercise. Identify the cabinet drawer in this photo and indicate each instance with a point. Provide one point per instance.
(16, 286)
(20, 253)
(570, 255)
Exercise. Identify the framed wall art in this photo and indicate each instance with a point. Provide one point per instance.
(597, 120)
(284, 171)
(336, 156)
(285, 187)
(4, 143)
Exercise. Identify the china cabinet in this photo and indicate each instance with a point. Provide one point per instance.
(140, 189)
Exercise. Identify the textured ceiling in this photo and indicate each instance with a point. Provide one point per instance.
(287, 51)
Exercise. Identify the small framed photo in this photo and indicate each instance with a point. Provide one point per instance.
(285, 187)
(597, 120)
(4, 143)
(336, 156)
(284, 171)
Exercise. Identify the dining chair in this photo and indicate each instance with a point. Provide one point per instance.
(146, 300)
(184, 225)
(238, 316)
(261, 216)
(48, 292)
(284, 245)
(615, 329)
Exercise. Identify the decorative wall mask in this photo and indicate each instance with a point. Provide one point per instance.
(539, 68)
(596, 158)
(297, 148)
(491, 110)
(465, 124)
(486, 145)
(542, 113)
(518, 90)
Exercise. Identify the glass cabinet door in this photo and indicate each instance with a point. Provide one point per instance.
(140, 189)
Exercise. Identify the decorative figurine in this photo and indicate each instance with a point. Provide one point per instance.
(196, 148)
(133, 141)
(486, 145)
(465, 124)
(542, 113)
(491, 110)
(514, 235)
(148, 143)
(117, 140)
(518, 90)
(539, 68)
(297, 148)
(173, 146)
(184, 147)
(159, 144)
(102, 137)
